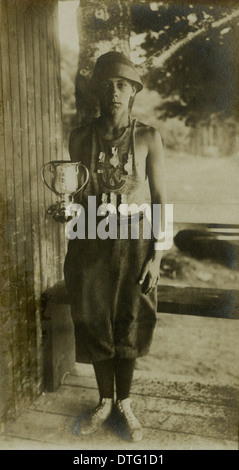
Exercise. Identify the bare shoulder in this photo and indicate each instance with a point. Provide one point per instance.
(150, 138)
(147, 132)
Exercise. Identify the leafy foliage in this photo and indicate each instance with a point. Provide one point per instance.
(201, 80)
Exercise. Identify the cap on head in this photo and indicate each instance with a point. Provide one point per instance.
(115, 64)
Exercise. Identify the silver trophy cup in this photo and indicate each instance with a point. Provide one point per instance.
(65, 179)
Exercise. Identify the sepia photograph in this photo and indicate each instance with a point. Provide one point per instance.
(119, 199)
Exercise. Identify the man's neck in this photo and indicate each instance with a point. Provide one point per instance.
(111, 126)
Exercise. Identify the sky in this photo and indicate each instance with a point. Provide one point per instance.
(67, 23)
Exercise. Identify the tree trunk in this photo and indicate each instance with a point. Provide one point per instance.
(102, 26)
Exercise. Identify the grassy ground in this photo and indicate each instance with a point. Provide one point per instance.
(209, 182)
(203, 180)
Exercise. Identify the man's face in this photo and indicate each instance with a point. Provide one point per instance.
(115, 93)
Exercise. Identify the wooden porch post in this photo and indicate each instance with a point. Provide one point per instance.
(33, 246)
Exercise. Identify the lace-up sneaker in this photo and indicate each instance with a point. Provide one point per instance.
(97, 417)
(133, 427)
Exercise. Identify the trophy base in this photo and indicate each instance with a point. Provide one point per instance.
(58, 211)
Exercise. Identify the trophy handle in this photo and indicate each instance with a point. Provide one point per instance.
(43, 175)
(86, 179)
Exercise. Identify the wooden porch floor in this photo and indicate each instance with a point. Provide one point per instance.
(179, 408)
(174, 415)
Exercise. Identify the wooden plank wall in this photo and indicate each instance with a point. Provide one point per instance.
(33, 245)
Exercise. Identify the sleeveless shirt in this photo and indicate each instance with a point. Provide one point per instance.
(114, 170)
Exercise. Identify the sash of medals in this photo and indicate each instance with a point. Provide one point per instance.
(113, 173)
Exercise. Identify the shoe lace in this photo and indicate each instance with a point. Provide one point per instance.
(128, 414)
(99, 410)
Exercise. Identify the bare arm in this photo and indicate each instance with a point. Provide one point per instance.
(156, 173)
(156, 176)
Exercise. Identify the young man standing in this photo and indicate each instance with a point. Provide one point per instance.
(112, 282)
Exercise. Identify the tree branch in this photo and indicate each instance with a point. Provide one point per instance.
(160, 58)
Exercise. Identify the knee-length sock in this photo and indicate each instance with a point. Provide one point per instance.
(124, 370)
(104, 373)
(121, 369)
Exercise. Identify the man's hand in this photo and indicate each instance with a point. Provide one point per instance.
(150, 273)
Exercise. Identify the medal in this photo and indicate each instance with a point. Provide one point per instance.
(128, 167)
(101, 157)
(104, 198)
(114, 160)
(110, 170)
(101, 161)
(113, 199)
